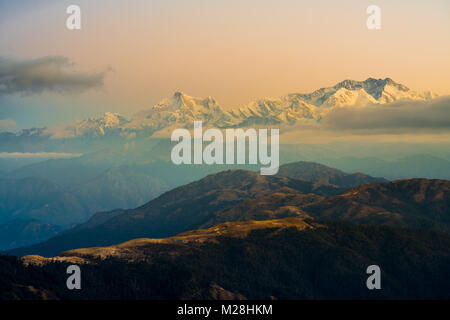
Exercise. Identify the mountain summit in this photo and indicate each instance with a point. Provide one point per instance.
(361, 93)
(182, 109)
(91, 127)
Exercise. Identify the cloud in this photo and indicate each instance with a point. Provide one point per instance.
(38, 155)
(404, 116)
(7, 125)
(53, 73)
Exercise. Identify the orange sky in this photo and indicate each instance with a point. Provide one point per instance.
(235, 50)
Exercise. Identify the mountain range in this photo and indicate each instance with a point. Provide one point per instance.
(308, 233)
(67, 191)
(411, 166)
(239, 195)
(45, 192)
(19, 233)
(145, 228)
(43, 199)
(321, 174)
(182, 109)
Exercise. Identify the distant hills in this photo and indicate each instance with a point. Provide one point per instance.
(181, 209)
(413, 203)
(42, 199)
(19, 233)
(412, 166)
(39, 199)
(308, 233)
(69, 191)
(321, 174)
(239, 195)
(75, 189)
(418, 203)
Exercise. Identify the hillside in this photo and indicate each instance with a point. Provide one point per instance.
(184, 208)
(413, 203)
(133, 250)
(283, 259)
(69, 191)
(239, 195)
(417, 203)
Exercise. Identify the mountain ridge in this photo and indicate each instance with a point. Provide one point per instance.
(182, 109)
(238, 195)
(280, 259)
(182, 208)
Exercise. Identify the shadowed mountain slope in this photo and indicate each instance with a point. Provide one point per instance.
(418, 203)
(20, 233)
(414, 203)
(181, 209)
(318, 173)
(282, 259)
(238, 195)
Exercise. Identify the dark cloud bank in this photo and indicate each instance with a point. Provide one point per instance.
(53, 73)
(433, 115)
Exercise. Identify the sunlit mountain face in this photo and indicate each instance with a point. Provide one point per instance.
(349, 112)
(182, 109)
(134, 137)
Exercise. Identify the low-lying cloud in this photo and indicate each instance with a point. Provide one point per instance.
(404, 116)
(53, 73)
(38, 155)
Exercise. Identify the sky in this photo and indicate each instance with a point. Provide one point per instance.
(129, 55)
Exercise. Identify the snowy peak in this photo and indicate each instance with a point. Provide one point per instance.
(181, 110)
(361, 93)
(111, 120)
(108, 121)
(286, 109)
(289, 109)
(89, 127)
(372, 86)
(181, 101)
(343, 97)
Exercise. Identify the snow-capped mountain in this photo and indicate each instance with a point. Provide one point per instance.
(362, 93)
(183, 110)
(180, 108)
(92, 127)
